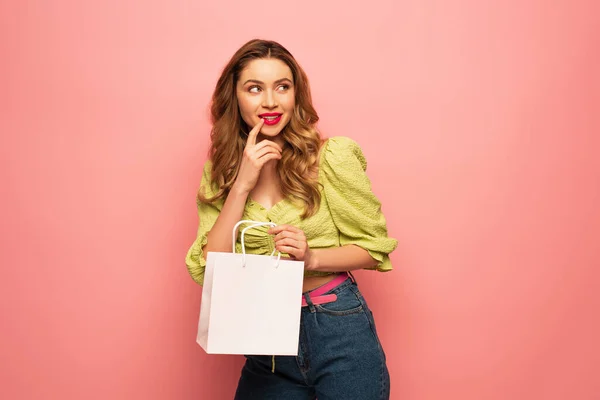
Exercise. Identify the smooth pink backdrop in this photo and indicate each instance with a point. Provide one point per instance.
(480, 123)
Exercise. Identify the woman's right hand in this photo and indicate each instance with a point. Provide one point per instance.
(254, 158)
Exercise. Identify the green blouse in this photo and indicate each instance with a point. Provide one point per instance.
(349, 212)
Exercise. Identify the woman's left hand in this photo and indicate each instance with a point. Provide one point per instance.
(292, 241)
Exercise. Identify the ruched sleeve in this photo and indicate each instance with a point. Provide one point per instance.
(355, 210)
(207, 215)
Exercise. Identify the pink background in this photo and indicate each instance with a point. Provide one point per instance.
(479, 119)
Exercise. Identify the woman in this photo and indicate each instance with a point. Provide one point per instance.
(268, 163)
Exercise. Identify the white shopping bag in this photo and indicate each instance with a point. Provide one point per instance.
(250, 303)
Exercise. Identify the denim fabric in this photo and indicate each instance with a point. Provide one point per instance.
(339, 356)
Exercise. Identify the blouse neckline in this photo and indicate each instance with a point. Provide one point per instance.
(280, 202)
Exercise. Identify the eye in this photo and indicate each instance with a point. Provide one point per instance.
(254, 89)
(283, 88)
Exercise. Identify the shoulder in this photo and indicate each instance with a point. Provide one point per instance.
(342, 150)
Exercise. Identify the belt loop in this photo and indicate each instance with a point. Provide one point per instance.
(309, 302)
(352, 277)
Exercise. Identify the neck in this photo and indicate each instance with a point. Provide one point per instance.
(269, 170)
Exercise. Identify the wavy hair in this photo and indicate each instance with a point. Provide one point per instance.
(297, 169)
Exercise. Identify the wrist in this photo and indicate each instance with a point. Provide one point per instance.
(312, 263)
(239, 190)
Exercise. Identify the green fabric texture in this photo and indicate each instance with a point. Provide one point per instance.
(349, 213)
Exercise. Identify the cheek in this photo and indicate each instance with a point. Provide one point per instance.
(248, 109)
(288, 102)
(245, 105)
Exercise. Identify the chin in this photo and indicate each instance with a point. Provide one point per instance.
(273, 131)
(270, 131)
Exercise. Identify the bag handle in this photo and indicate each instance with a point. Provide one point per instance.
(254, 225)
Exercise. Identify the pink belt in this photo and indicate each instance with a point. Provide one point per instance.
(318, 296)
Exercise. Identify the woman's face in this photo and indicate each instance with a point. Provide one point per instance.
(265, 90)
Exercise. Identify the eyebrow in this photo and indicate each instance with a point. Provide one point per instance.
(262, 83)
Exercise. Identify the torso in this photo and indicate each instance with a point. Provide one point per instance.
(313, 282)
(267, 193)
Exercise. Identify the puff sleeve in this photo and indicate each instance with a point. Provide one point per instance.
(207, 215)
(355, 210)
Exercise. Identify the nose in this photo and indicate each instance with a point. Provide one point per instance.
(269, 100)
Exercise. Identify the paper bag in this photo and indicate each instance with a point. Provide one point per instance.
(250, 303)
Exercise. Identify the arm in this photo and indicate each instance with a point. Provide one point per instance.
(213, 220)
(216, 222)
(255, 157)
(292, 240)
(219, 237)
(356, 212)
(338, 259)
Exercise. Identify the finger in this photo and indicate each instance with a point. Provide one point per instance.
(298, 237)
(293, 229)
(291, 242)
(285, 227)
(296, 253)
(268, 157)
(264, 151)
(284, 234)
(270, 143)
(276, 229)
(254, 133)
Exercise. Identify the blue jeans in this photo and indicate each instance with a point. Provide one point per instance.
(339, 356)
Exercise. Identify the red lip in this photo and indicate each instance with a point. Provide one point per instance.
(271, 122)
